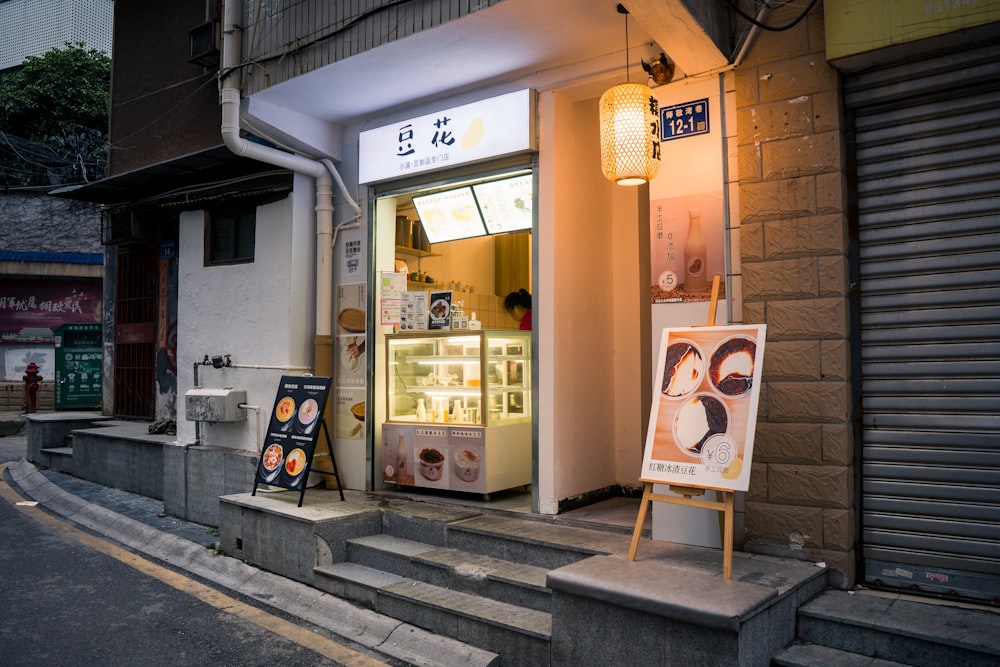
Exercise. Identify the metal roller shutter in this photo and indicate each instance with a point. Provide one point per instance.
(928, 187)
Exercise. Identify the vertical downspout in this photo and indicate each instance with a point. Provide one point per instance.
(230, 99)
(229, 83)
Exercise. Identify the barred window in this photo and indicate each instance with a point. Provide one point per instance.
(230, 237)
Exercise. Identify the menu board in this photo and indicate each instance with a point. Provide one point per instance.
(440, 310)
(292, 431)
(449, 215)
(506, 204)
(704, 412)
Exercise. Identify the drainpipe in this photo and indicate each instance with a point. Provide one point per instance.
(320, 170)
(230, 99)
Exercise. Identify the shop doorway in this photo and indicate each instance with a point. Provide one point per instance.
(135, 332)
(476, 270)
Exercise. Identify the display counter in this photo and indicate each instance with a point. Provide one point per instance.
(458, 410)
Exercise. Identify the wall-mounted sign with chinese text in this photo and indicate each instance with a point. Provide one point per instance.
(684, 120)
(31, 310)
(704, 413)
(502, 125)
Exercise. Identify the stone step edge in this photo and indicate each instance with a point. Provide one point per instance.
(817, 655)
(500, 614)
(833, 607)
(548, 535)
(497, 569)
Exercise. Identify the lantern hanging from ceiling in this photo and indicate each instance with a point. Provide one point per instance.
(630, 142)
(630, 134)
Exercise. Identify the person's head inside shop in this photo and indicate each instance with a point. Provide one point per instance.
(518, 305)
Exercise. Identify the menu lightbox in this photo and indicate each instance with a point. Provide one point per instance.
(505, 204)
(449, 215)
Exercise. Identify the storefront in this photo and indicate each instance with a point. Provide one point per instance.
(452, 217)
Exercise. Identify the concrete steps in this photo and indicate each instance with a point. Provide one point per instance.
(540, 593)
(494, 578)
(538, 543)
(838, 628)
(519, 634)
(477, 578)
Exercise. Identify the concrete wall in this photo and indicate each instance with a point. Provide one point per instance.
(155, 79)
(327, 42)
(36, 222)
(261, 313)
(794, 258)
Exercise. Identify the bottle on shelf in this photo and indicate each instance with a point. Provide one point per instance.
(421, 410)
(696, 273)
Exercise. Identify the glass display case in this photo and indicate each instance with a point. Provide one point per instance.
(458, 410)
(459, 377)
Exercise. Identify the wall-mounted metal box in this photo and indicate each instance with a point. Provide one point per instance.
(214, 404)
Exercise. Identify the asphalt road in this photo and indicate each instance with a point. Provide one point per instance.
(73, 598)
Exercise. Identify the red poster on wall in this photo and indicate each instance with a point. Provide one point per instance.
(31, 310)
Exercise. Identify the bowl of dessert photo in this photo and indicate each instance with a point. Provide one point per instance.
(466, 465)
(431, 463)
(307, 417)
(284, 410)
(697, 419)
(683, 369)
(731, 366)
(295, 463)
(270, 461)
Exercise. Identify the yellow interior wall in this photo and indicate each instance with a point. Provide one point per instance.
(590, 369)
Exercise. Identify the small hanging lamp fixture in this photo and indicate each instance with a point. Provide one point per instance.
(630, 129)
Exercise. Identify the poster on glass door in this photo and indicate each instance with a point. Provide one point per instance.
(704, 412)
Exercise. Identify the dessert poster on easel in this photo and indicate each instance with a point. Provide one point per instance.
(704, 412)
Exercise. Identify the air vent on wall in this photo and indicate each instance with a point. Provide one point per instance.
(204, 44)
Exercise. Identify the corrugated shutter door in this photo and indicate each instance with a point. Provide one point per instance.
(928, 172)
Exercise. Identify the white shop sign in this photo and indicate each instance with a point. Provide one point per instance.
(489, 128)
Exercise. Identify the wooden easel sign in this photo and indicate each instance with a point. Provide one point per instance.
(704, 412)
(703, 417)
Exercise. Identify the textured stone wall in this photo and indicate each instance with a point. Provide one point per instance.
(36, 222)
(793, 254)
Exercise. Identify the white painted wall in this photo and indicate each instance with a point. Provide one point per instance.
(261, 313)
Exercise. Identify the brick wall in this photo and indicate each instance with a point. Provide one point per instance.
(793, 256)
(12, 397)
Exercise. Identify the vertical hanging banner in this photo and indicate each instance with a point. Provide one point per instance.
(687, 214)
(292, 431)
(704, 412)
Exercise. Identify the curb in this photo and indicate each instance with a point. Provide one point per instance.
(377, 632)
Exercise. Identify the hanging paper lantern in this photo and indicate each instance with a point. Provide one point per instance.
(630, 142)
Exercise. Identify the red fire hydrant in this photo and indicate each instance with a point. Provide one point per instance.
(32, 381)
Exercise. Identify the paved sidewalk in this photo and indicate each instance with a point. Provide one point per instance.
(137, 522)
(146, 510)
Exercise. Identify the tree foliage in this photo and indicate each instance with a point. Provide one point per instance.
(54, 117)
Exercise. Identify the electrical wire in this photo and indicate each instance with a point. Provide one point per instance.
(760, 24)
(345, 25)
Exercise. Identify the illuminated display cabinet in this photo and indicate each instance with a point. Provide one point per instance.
(458, 413)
